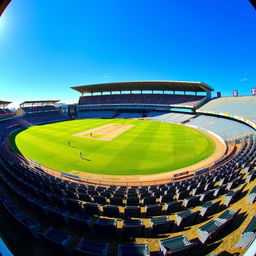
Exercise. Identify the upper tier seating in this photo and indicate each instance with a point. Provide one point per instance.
(141, 99)
(169, 117)
(243, 106)
(220, 125)
(36, 109)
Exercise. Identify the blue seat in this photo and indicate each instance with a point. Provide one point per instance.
(106, 227)
(56, 239)
(29, 225)
(133, 250)
(132, 211)
(92, 209)
(161, 225)
(208, 208)
(248, 235)
(116, 201)
(153, 210)
(186, 218)
(88, 247)
(173, 206)
(111, 211)
(133, 228)
(252, 196)
(80, 222)
(176, 246)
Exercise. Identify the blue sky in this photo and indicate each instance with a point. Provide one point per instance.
(48, 46)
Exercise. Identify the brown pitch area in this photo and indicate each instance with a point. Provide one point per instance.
(105, 132)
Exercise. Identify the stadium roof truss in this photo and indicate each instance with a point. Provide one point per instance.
(145, 86)
(4, 104)
(38, 102)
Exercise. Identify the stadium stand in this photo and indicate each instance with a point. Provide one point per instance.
(35, 107)
(133, 100)
(242, 106)
(4, 111)
(219, 126)
(139, 99)
(170, 117)
(72, 216)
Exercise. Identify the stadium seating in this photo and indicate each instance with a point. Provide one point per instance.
(248, 235)
(178, 245)
(170, 117)
(133, 249)
(242, 106)
(141, 99)
(219, 126)
(96, 210)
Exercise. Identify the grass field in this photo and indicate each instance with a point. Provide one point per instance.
(148, 147)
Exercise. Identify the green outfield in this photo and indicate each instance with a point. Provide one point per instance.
(147, 147)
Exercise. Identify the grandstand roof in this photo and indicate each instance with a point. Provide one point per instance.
(2, 102)
(145, 85)
(3, 5)
(39, 101)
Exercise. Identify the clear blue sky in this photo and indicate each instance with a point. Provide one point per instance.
(47, 46)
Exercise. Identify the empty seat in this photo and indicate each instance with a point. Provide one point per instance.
(133, 228)
(84, 197)
(186, 218)
(208, 208)
(116, 201)
(191, 201)
(173, 206)
(248, 235)
(252, 196)
(153, 210)
(133, 201)
(106, 227)
(58, 240)
(178, 245)
(209, 230)
(74, 205)
(99, 200)
(111, 211)
(228, 215)
(206, 196)
(149, 200)
(166, 198)
(161, 225)
(233, 195)
(92, 209)
(80, 222)
(133, 250)
(88, 247)
(132, 211)
(220, 190)
(56, 215)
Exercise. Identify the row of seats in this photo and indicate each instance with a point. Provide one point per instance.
(243, 106)
(219, 126)
(171, 117)
(142, 99)
(131, 228)
(35, 109)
